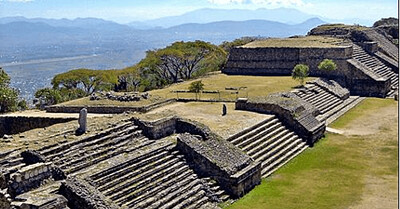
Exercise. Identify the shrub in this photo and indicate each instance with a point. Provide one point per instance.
(300, 72)
(327, 65)
(196, 87)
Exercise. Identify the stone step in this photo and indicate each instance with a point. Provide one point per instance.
(278, 150)
(276, 159)
(105, 156)
(283, 160)
(153, 151)
(249, 140)
(329, 105)
(198, 203)
(67, 145)
(172, 193)
(181, 196)
(84, 155)
(338, 111)
(119, 183)
(80, 146)
(125, 168)
(247, 130)
(270, 144)
(81, 153)
(262, 137)
(150, 182)
(319, 97)
(255, 131)
(192, 199)
(328, 100)
(145, 199)
(265, 141)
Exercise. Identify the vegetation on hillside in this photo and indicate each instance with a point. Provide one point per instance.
(177, 62)
(9, 100)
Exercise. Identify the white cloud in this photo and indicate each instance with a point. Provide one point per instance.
(260, 2)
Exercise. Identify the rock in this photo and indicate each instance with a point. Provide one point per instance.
(7, 136)
(82, 121)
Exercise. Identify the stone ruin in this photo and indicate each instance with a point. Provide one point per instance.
(367, 61)
(126, 97)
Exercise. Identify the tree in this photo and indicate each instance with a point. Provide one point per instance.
(327, 65)
(8, 96)
(196, 87)
(300, 72)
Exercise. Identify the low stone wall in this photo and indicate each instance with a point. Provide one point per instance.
(157, 129)
(18, 124)
(290, 111)
(222, 161)
(82, 195)
(29, 177)
(107, 109)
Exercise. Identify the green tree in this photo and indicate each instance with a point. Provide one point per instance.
(8, 96)
(196, 87)
(300, 72)
(327, 65)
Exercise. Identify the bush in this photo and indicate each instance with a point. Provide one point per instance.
(327, 65)
(196, 87)
(300, 72)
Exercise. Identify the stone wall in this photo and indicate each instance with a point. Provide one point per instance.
(281, 61)
(29, 177)
(333, 87)
(82, 195)
(290, 111)
(106, 109)
(222, 161)
(365, 83)
(18, 124)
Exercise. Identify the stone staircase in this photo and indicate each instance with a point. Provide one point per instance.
(159, 178)
(75, 156)
(376, 66)
(327, 103)
(270, 143)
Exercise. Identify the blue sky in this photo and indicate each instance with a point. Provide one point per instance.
(138, 10)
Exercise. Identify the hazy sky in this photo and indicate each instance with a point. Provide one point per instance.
(137, 10)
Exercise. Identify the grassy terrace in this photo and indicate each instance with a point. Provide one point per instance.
(358, 169)
(300, 42)
(255, 86)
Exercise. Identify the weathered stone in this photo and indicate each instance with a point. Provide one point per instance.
(82, 195)
(31, 157)
(82, 121)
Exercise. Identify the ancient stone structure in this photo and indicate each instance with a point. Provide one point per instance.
(365, 67)
(290, 111)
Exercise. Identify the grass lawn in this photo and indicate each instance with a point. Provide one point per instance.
(255, 86)
(341, 171)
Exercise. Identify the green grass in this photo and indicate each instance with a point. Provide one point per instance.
(307, 41)
(255, 86)
(367, 106)
(335, 172)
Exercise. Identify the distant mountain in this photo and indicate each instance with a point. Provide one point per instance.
(284, 15)
(87, 23)
(228, 30)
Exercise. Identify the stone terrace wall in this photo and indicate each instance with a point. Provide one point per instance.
(18, 124)
(280, 61)
(106, 109)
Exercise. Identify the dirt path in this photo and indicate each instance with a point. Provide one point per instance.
(38, 113)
